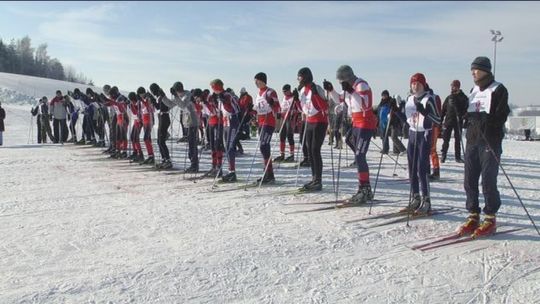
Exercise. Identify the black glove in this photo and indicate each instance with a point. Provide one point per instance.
(270, 101)
(327, 85)
(173, 92)
(295, 94)
(347, 87)
(420, 107)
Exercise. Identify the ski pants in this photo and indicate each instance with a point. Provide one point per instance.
(215, 133)
(135, 136)
(447, 133)
(360, 139)
(418, 152)
(163, 127)
(315, 134)
(287, 132)
(60, 130)
(147, 125)
(265, 147)
(193, 153)
(479, 161)
(73, 124)
(231, 136)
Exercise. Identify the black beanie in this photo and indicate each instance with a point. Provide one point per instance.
(261, 76)
(481, 63)
(286, 87)
(385, 93)
(141, 90)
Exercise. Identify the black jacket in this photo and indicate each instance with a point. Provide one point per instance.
(455, 105)
(489, 125)
(2, 117)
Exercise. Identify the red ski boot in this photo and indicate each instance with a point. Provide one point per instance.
(470, 225)
(488, 227)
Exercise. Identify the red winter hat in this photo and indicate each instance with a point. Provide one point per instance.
(456, 84)
(419, 77)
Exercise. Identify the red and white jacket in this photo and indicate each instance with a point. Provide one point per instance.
(265, 111)
(146, 111)
(315, 107)
(360, 105)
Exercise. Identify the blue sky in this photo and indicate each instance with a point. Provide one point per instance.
(130, 44)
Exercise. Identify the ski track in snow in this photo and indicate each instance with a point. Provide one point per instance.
(79, 228)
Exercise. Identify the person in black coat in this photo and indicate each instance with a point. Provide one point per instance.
(453, 110)
(486, 115)
(2, 127)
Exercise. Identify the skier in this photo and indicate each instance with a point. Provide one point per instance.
(146, 107)
(186, 101)
(266, 104)
(2, 127)
(59, 114)
(453, 110)
(383, 111)
(119, 103)
(163, 126)
(358, 97)
(134, 108)
(290, 108)
(214, 130)
(486, 114)
(104, 97)
(421, 113)
(73, 116)
(229, 122)
(88, 125)
(315, 109)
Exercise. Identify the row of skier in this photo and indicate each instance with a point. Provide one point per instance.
(484, 112)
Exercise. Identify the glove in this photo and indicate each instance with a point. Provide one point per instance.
(295, 94)
(278, 115)
(420, 107)
(346, 86)
(327, 85)
(270, 101)
(173, 92)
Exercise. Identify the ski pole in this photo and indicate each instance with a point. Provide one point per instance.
(509, 181)
(332, 154)
(385, 141)
(413, 167)
(340, 150)
(301, 147)
(252, 162)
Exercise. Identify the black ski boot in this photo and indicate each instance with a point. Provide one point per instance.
(279, 158)
(363, 195)
(268, 178)
(165, 164)
(289, 159)
(229, 178)
(435, 176)
(192, 169)
(149, 161)
(316, 185)
(305, 163)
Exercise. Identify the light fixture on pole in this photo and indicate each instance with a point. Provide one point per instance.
(497, 37)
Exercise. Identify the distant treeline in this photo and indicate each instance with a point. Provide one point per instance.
(19, 57)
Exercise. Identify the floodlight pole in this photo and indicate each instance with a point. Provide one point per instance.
(497, 37)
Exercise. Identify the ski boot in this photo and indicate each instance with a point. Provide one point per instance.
(289, 159)
(279, 158)
(413, 205)
(165, 164)
(305, 163)
(425, 207)
(459, 160)
(91, 142)
(315, 185)
(435, 176)
(132, 156)
(123, 155)
(149, 161)
(488, 227)
(229, 178)
(363, 195)
(470, 225)
(81, 142)
(268, 178)
(192, 169)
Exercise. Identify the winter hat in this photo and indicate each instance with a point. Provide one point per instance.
(306, 75)
(419, 77)
(178, 86)
(286, 87)
(345, 73)
(216, 85)
(141, 90)
(58, 92)
(114, 92)
(456, 83)
(385, 93)
(132, 96)
(243, 90)
(197, 93)
(154, 88)
(481, 63)
(261, 76)
(106, 89)
(89, 91)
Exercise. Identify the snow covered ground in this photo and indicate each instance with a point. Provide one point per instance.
(77, 227)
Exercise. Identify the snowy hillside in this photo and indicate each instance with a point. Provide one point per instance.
(22, 89)
(79, 228)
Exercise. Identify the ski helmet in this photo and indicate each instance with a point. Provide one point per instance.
(178, 86)
(132, 96)
(154, 88)
(141, 90)
(106, 89)
(345, 73)
(113, 92)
